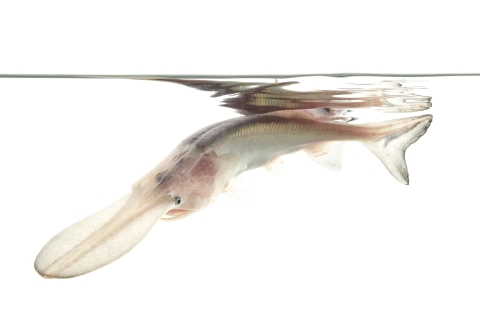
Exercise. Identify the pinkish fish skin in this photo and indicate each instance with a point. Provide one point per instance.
(198, 170)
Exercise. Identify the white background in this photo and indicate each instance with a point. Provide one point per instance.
(309, 243)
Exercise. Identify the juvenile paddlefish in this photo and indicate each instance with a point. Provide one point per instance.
(201, 167)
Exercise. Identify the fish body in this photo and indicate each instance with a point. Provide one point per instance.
(200, 168)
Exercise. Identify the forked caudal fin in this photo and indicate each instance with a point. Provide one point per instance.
(99, 239)
(392, 138)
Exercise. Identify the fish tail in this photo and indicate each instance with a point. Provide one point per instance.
(390, 140)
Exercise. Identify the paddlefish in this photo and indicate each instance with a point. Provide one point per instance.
(201, 168)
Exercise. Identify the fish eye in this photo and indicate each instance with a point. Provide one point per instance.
(177, 201)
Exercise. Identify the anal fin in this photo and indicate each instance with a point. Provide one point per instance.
(327, 154)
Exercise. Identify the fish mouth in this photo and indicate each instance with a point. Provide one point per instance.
(176, 214)
(101, 238)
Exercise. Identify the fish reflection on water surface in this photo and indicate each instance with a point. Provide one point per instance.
(203, 165)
